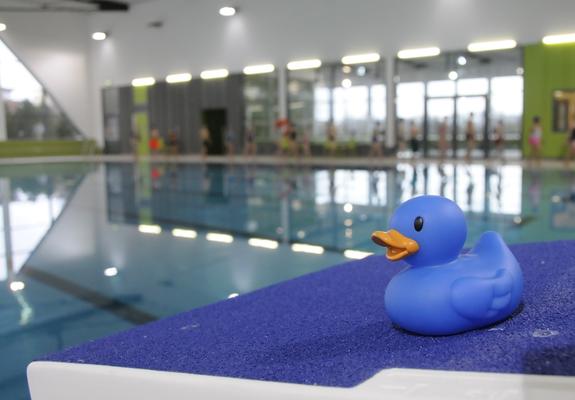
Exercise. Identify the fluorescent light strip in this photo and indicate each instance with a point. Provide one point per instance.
(219, 237)
(559, 39)
(99, 36)
(304, 64)
(360, 58)
(419, 53)
(263, 243)
(151, 229)
(214, 73)
(147, 81)
(2, 27)
(491, 46)
(259, 69)
(184, 233)
(179, 78)
(356, 254)
(306, 248)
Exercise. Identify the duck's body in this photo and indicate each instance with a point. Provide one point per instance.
(443, 292)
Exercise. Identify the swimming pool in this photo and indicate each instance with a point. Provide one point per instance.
(90, 249)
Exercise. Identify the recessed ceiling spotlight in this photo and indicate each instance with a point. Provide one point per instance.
(346, 83)
(99, 35)
(453, 75)
(461, 60)
(228, 11)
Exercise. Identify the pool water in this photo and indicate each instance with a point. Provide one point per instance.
(91, 249)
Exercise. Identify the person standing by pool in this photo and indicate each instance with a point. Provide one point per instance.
(250, 148)
(413, 138)
(442, 131)
(470, 136)
(205, 137)
(331, 144)
(498, 133)
(536, 138)
(570, 143)
(376, 139)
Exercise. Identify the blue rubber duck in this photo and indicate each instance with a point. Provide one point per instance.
(443, 292)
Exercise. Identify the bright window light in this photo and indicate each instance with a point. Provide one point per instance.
(559, 39)
(179, 78)
(151, 229)
(2, 27)
(184, 233)
(17, 286)
(263, 243)
(360, 58)
(219, 237)
(259, 69)
(304, 64)
(110, 272)
(306, 248)
(356, 254)
(147, 81)
(99, 35)
(227, 11)
(214, 73)
(419, 53)
(491, 46)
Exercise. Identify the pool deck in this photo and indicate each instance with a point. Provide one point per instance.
(273, 160)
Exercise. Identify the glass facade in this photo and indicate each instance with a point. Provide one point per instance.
(462, 103)
(31, 113)
(352, 97)
(261, 104)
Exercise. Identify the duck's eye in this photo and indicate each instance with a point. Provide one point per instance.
(418, 223)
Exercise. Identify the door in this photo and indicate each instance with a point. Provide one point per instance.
(215, 120)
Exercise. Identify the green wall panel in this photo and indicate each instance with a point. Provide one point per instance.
(33, 148)
(547, 68)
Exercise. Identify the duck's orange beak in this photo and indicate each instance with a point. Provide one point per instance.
(398, 245)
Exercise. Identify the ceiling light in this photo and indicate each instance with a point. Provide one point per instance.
(2, 27)
(304, 64)
(361, 58)
(419, 53)
(147, 81)
(17, 286)
(219, 237)
(214, 73)
(346, 69)
(110, 272)
(356, 254)
(99, 35)
(263, 243)
(151, 229)
(227, 11)
(346, 83)
(306, 248)
(184, 233)
(559, 39)
(453, 75)
(461, 60)
(179, 78)
(259, 69)
(490, 46)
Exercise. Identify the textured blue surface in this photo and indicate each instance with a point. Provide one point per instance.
(329, 328)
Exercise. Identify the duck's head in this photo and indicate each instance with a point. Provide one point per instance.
(425, 230)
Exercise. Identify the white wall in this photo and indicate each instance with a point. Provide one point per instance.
(55, 47)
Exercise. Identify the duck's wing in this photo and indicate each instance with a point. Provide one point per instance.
(478, 298)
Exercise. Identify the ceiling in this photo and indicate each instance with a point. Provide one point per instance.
(67, 5)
